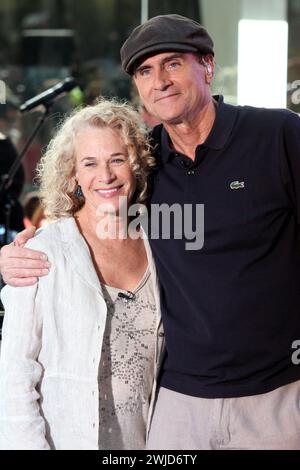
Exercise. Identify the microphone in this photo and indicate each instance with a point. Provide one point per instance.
(127, 297)
(47, 97)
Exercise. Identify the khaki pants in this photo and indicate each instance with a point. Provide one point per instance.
(267, 421)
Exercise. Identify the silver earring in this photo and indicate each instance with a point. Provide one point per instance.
(78, 192)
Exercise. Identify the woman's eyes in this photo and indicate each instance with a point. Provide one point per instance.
(113, 162)
(117, 161)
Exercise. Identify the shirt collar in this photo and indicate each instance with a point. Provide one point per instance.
(222, 128)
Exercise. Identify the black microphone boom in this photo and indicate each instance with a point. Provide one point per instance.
(47, 97)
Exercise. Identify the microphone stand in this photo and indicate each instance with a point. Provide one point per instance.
(7, 178)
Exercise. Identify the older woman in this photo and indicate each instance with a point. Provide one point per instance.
(80, 350)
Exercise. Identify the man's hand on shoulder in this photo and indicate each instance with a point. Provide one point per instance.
(21, 266)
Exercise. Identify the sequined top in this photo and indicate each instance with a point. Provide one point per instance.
(126, 369)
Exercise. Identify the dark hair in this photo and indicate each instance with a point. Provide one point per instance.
(30, 206)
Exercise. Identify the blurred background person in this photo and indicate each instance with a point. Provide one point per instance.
(8, 154)
(13, 222)
(33, 210)
(148, 119)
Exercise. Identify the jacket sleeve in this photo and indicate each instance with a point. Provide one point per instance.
(21, 423)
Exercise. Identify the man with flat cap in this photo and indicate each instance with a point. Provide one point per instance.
(231, 310)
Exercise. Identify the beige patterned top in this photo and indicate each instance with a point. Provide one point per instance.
(127, 366)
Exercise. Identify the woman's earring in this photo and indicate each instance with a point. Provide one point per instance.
(78, 192)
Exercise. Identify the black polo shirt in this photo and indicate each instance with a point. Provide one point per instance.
(231, 310)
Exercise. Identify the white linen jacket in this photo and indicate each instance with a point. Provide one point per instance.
(51, 348)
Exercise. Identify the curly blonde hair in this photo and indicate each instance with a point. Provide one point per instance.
(57, 167)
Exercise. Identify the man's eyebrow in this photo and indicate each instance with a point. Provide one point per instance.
(176, 55)
(142, 67)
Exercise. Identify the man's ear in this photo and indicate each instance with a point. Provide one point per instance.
(208, 63)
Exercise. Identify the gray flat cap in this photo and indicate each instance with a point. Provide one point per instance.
(164, 33)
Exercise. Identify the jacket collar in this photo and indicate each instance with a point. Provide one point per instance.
(77, 252)
(78, 255)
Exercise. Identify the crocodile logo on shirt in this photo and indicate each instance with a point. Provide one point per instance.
(237, 185)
